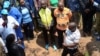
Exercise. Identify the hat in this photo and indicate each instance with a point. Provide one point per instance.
(6, 4)
(4, 12)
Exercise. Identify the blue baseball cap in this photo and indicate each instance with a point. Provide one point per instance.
(6, 4)
(4, 12)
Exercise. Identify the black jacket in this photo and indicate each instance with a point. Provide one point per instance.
(15, 50)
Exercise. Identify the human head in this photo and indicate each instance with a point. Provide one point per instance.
(91, 1)
(10, 39)
(22, 2)
(43, 4)
(60, 6)
(6, 4)
(72, 26)
(4, 13)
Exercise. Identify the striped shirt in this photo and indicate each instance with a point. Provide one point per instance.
(25, 15)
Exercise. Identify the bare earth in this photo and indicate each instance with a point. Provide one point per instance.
(36, 47)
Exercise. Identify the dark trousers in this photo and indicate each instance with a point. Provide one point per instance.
(28, 30)
(60, 37)
(69, 51)
(46, 35)
(87, 22)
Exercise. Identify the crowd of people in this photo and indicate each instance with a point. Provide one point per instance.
(58, 20)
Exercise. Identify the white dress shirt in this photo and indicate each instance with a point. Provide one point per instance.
(71, 37)
(10, 27)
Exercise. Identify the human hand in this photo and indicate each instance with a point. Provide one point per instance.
(4, 24)
(33, 15)
(15, 26)
(19, 41)
(64, 44)
(56, 33)
(87, 10)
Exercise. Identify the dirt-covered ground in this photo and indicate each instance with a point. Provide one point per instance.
(36, 47)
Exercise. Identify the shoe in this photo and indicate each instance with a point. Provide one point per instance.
(55, 48)
(47, 46)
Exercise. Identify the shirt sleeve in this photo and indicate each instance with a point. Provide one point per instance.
(70, 14)
(15, 22)
(55, 12)
(19, 16)
(76, 38)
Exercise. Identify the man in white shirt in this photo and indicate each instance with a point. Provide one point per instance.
(71, 40)
(8, 23)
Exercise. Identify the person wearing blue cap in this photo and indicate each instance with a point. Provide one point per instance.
(9, 24)
(14, 12)
(6, 4)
